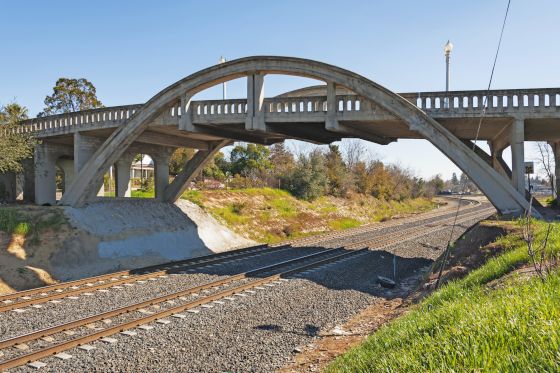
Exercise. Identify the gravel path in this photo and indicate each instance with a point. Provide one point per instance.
(260, 332)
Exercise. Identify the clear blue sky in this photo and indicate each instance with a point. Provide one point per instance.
(131, 50)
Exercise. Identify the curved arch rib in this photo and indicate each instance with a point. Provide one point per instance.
(498, 190)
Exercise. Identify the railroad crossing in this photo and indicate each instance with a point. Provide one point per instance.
(85, 144)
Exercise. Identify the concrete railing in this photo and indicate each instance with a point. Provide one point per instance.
(508, 100)
(454, 103)
(111, 116)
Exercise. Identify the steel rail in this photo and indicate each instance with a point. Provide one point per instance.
(376, 244)
(36, 355)
(114, 281)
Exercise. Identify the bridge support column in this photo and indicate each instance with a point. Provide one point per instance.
(497, 160)
(255, 103)
(67, 166)
(84, 148)
(8, 187)
(161, 177)
(556, 149)
(174, 190)
(122, 174)
(45, 171)
(517, 141)
(29, 180)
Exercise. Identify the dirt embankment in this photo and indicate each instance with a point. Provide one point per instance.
(273, 215)
(41, 245)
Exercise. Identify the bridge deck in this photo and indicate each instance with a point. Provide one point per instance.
(303, 116)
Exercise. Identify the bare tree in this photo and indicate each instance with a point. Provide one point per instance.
(355, 151)
(546, 160)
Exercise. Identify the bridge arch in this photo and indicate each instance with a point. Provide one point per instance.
(499, 191)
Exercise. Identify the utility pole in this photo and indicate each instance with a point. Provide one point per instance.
(447, 50)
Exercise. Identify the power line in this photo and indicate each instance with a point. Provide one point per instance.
(482, 116)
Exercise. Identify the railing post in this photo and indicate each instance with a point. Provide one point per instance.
(255, 103)
(331, 122)
(185, 121)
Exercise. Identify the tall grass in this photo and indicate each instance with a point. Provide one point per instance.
(467, 326)
(11, 222)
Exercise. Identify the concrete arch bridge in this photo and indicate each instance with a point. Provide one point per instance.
(85, 144)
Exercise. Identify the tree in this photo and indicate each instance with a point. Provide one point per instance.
(337, 173)
(178, 159)
(546, 160)
(14, 147)
(454, 179)
(215, 168)
(282, 163)
(248, 160)
(308, 180)
(70, 95)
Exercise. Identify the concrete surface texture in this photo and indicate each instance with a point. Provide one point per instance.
(134, 232)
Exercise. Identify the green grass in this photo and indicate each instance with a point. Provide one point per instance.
(230, 214)
(468, 326)
(195, 196)
(142, 193)
(13, 221)
(344, 223)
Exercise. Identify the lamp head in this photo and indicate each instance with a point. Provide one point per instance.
(448, 48)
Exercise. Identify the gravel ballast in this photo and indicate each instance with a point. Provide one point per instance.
(262, 331)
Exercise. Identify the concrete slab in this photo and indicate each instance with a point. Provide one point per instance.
(36, 365)
(129, 333)
(63, 356)
(87, 347)
(163, 321)
(109, 340)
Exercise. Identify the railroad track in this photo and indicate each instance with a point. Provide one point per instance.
(35, 297)
(189, 299)
(301, 264)
(65, 289)
(375, 227)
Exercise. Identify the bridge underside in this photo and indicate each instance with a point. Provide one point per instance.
(348, 106)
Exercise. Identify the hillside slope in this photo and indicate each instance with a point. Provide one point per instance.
(500, 317)
(272, 215)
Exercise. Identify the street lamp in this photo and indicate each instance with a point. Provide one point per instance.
(224, 87)
(447, 50)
